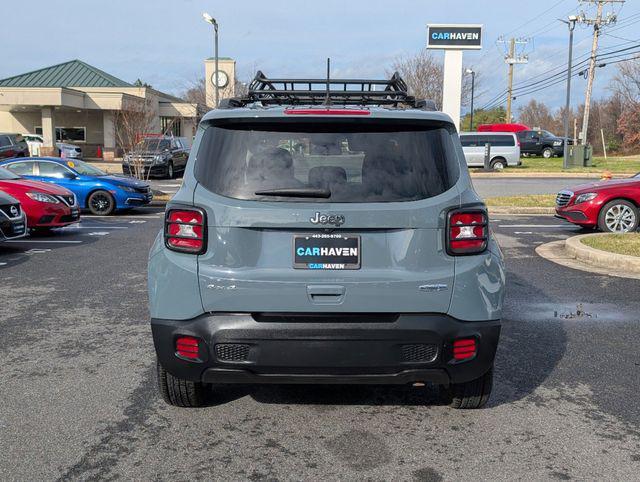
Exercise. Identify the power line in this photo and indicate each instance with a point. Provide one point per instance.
(557, 78)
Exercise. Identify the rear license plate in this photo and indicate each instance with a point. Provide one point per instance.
(326, 251)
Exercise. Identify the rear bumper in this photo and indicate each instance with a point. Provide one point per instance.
(235, 348)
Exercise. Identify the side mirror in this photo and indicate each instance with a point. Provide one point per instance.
(69, 175)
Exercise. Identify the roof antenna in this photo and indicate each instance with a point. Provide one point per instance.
(327, 99)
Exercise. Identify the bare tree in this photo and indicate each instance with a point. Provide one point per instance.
(626, 83)
(424, 75)
(196, 92)
(133, 122)
(626, 86)
(537, 115)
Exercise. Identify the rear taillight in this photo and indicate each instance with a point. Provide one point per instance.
(464, 348)
(188, 347)
(467, 232)
(185, 230)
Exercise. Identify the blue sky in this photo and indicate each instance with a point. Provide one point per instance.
(164, 42)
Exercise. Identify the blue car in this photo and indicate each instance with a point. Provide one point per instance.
(95, 190)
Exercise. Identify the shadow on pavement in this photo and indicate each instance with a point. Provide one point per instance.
(529, 349)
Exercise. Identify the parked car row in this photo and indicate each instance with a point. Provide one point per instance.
(25, 145)
(52, 191)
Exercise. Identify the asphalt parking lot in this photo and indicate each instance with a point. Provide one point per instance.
(79, 400)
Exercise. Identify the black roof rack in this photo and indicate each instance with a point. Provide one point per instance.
(358, 92)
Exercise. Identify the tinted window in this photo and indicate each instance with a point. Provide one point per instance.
(153, 145)
(467, 141)
(5, 141)
(52, 169)
(21, 168)
(363, 162)
(501, 141)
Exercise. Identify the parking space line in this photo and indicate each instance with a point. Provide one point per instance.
(71, 228)
(132, 216)
(563, 226)
(44, 241)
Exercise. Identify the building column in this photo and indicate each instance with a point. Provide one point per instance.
(109, 132)
(48, 133)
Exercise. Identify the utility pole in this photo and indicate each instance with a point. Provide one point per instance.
(598, 22)
(511, 58)
(512, 53)
(571, 23)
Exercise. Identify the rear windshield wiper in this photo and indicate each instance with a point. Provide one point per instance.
(296, 192)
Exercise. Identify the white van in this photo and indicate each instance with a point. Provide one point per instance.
(505, 148)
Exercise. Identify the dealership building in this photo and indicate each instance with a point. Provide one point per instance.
(79, 103)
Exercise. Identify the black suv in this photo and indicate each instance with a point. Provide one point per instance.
(162, 156)
(540, 143)
(13, 145)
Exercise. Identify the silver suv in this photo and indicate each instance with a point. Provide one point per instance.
(326, 232)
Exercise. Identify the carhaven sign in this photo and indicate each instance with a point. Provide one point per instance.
(455, 37)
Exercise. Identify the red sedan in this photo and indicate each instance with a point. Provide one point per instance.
(46, 205)
(611, 206)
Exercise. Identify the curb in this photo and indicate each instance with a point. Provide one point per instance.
(597, 257)
(556, 252)
(520, 210)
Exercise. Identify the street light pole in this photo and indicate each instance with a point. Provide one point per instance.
(572, 25)
(473, 86)
(209, 19)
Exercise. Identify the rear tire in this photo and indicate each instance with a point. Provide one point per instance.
(472, 394)
(178, 392)
(498, 164)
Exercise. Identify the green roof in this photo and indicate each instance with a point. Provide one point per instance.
(74, 73)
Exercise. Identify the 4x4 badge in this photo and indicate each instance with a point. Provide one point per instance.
(335, 219)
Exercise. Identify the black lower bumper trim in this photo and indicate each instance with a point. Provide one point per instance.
(225, 375)
(415, 347)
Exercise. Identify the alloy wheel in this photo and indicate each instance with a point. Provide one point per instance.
(619, 218)
(100, 202)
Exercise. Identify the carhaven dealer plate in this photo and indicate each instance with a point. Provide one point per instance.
(326, 251)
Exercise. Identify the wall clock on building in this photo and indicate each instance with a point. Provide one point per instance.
(223, 79)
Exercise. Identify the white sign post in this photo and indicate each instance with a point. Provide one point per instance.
(453, 39)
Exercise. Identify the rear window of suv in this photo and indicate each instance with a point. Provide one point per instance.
(353, 162)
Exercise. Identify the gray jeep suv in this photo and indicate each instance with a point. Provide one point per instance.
(326, 237)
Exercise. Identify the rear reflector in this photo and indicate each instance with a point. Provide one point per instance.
(467, 232)
(464, 348)
(327, 112)
(185, 230)
(187, 347)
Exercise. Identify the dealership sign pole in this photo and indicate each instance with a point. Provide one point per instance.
(453, 39)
